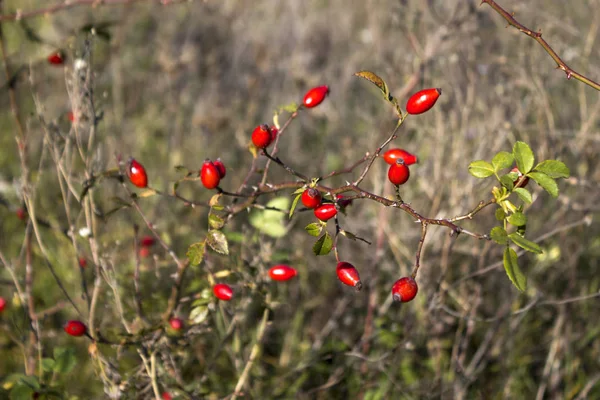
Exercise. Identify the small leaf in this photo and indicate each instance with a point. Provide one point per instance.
(217, 241)
(214, 200)
(547, 183)
(525, 244)
(291, 108)
(314, 229)
(553, 168)
(374, 79)
(500, 214)
(65, 360)
(507, 181)
(517, 219)
(215, 221)
(502, 160)
(499, 235)
(481, 169)
(524, 157)
(523, 195)
(512, 269)
(195, 252)
(294, 204)
(323, 245)
(48, 364)
(147, 193)
(198, 314)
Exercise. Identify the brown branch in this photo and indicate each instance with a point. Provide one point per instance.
(537, 36)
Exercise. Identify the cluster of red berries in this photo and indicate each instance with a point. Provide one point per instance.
(212, 172)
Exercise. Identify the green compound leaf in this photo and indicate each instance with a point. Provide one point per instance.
(547, 183)
(502, 160)
(498, 235)
(517, 219)
(553, 168)
(513, 271)
(524, 195)
(323, 245)
(217, 241)
(525, 244)
(524, 157)
(507, 181)
(481, 169)
(195, 253)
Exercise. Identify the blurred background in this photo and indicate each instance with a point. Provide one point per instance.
(179, 83)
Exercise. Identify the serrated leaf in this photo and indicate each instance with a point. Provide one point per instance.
(214, 200)
(294, 204)
(524, 195)
(525, 244)
(502, 160)
(500, 214)
(147, 193)
(271, 222)
(498, 235)
(65, 360)
(507, 181)
(481, 169)
(374, 79)
(512, 269)
(553, 168)
(547, 183)
(314, 229)
(523, 156)
(215, 222)
(323, 245)
(517, 219)
(195, 253)
(217, 241)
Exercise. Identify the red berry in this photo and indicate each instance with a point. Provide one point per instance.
(282, 272)
(404, 289)
(147, 241)
(422, 101)
(348, 275)
(274, 133)
(392, 155)
(144, 252)
(82, 262)
(209, 175)
(223, 291)
(311, 198)
(220, 167)
(21, 214)
(325, 212)
(71, 116)
(315, 96)
(75, 328)
(2, 304)
(398, 173)
(525, 181)
(176, 323)
(166, 396)
(137, 173)
(342, 201)
(56, 58)
(262, 136)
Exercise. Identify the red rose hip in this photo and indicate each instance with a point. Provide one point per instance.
(422, 101)
(147, 241)
(392, 155)
(325, 212)
(209, 175)
(311, 198)
(220, 167)
(166, 396)
(398, 173)
(223, 291)
(348, 275)
(176, 323)
(282, 273)
(262, 136)
(137, 173)
(315, 96)
(56, 58)
(75, 328)
(2, 304)
(404, 289)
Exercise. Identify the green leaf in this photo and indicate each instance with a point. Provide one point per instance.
(481, 169)
(507, 181)
(512, 269)
(517, 219)
(48, 364)
(65, 359)
(547, 183)
(21, 392)
(195, 252)
(524, 157)
(502, 160)
(271, 222)
(525, 244)
(553, 168)
(498, 235)
(215, 222)
(294, 203)
(500, 214)
(314, 229)
(523, 195)
(323, 245)
(217, 241)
